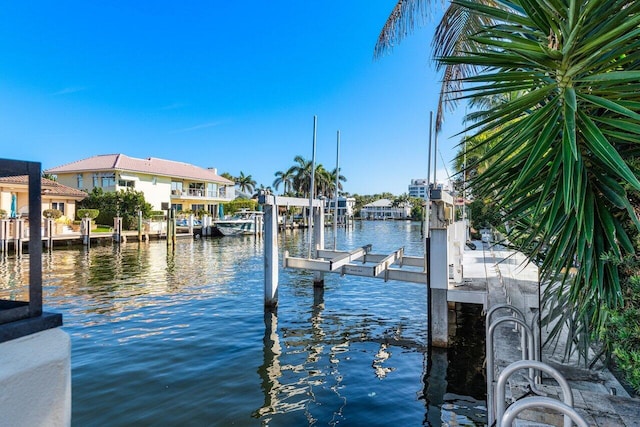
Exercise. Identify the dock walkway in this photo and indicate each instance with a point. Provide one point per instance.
(507, 278)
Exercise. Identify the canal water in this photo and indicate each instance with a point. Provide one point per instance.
(167, 338)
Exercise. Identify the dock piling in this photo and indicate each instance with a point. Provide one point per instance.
(270, 253)
(318, 237)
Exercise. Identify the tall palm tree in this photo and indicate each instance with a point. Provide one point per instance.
(285, 178)
(324, 181)
(561, 153)
(453, 37)
(245, 183)
(301, 172)
(331, 189)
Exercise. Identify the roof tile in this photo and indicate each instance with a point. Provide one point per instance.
(151, 165)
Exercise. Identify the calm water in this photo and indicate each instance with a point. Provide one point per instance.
(182, 338)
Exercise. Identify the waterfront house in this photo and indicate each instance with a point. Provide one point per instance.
(14, 196)
(384, 209)
(346, 206)
(181, 185)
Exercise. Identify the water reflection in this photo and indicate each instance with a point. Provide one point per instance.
(154, 330)
(305, 365)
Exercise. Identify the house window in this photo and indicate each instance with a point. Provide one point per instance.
(154, 180)
(196, 189)
(211, 190)
(127, 184)
(80, 183)
(176, 206)
(96, 182)
(176, 188)
(59, 206)
(108, 181)
(197, 208)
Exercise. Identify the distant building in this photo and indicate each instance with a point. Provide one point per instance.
(382, 209)
(345, 208)
(14, 196)
(418, 188)
(182, 185)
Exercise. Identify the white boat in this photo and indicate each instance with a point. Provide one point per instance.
(242, 222)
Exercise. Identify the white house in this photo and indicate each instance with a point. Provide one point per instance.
(182, 185)
(345, 208)
(383, 209)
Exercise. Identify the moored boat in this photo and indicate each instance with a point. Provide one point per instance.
(242, 222)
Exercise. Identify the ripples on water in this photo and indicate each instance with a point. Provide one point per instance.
(161, 338)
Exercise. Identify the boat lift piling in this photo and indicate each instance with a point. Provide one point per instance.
(270, 203)
(392, 266)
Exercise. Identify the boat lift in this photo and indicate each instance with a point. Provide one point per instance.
(433, 269)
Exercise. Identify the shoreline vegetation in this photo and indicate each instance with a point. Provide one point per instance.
(551, 144)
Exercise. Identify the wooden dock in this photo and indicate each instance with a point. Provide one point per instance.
(76, 238)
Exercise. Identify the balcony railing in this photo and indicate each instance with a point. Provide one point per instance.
(202, 194)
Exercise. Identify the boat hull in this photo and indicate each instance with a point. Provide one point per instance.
(235, 228)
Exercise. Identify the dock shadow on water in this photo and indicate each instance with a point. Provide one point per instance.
(182, 338)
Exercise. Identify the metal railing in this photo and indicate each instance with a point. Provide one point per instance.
(530, 347)
(541, 402)
(527, 353)
(504, 376)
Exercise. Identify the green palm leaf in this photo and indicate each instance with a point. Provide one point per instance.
(559, 163)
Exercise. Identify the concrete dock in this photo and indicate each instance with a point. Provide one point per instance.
(598, 396)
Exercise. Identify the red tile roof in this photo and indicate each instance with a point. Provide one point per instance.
(49, 187)
(151, 166)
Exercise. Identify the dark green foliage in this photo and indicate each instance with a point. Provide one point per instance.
(90, 213)
(622, 332)
(484, 214)
(52, 213)
(559, 101)
(125, 203)
(238, 204)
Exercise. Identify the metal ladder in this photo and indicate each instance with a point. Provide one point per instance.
(530, 343)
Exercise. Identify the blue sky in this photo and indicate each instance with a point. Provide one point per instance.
(226, 84)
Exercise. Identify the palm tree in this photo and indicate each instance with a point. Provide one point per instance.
(560, 155)
(228, 176)
(246, 184)
(285, 178)
(332, 187)
(301, 172)
(453, 37)
(322, 181)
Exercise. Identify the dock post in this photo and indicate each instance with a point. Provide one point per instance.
(169, 212)
(205, 225)
(270, 251)
(438, 286)
(48, 232)
(139, 226)
(190, 223)
(18, 235)
(4, 235)
(318, 237)
(117, 229)
(86, 231)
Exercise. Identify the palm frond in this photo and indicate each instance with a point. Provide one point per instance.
(404, 18)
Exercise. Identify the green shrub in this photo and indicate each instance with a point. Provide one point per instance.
(238, 204)
(52, 213)
(622, 334)
(91, 213)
